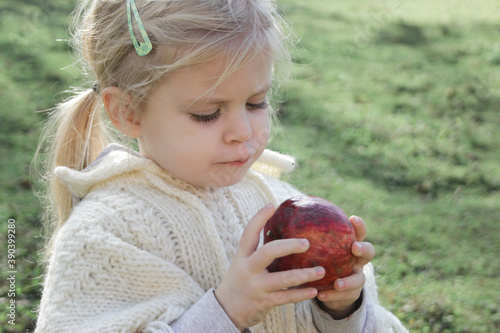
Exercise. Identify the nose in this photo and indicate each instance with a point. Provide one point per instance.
(238, 128)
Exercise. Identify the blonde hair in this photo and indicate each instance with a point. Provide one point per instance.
(183, 33)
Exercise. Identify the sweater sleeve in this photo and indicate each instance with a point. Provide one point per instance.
(206, 315)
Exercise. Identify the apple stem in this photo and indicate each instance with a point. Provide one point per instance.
(270, 234)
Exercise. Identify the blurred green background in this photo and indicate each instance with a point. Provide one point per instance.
(392, 114)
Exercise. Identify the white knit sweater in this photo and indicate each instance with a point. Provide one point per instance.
(141, 248)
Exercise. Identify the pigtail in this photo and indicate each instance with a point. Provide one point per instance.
(79, 138)
(74, 135)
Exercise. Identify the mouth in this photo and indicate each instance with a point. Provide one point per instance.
(238, 162)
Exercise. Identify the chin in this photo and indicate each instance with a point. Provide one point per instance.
(225, 177)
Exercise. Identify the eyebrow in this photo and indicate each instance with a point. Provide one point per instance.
(212, 101)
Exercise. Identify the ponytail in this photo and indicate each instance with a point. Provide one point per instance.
(75, 134)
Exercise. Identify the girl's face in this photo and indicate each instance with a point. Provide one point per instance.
(208, 138)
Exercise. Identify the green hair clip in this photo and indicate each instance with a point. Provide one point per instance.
(142, 48)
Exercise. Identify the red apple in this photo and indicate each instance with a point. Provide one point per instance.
(330, 235)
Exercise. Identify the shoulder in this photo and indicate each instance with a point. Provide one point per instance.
(126, 217)
(112, 162)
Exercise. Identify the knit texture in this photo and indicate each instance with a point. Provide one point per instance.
(141, 247)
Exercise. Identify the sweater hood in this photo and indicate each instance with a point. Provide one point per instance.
(116, 160)
(111, 162)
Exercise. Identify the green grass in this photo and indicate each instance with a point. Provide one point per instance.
(393, 115)
(30, 79)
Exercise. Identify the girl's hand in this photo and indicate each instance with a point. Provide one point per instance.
(340, 302)
(249, 292)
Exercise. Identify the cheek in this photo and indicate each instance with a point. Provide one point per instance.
(261, 130)
(191, 143)
(162, 140)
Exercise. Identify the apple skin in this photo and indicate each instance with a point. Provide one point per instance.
(328, 230)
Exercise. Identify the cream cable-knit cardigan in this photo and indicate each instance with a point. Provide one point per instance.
(120, 264)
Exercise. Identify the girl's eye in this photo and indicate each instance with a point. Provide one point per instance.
(205, 118)
(214, 116)
(263, 105)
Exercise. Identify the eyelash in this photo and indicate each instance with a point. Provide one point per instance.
(205, 119)
(263, 105)
(214, 116)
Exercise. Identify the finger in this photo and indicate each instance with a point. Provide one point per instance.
(293, 278)
(265, 255)
(251, 234)
(364, 251)
(344, 297)
(344, 288)
(359, 227)
(287, 296)
(354, 281)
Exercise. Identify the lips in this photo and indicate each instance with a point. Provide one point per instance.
(238, 162)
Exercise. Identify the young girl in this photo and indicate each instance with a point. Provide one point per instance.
(168, 239)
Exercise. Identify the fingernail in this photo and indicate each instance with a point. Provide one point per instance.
(304, 242)
(313, 292)
(269, 206)
(359, 246)
(340, 284)
(320, 271)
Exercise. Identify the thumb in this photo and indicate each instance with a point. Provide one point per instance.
(251, 235)
(359, 227)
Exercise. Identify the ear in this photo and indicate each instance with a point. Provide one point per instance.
(120, 111)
